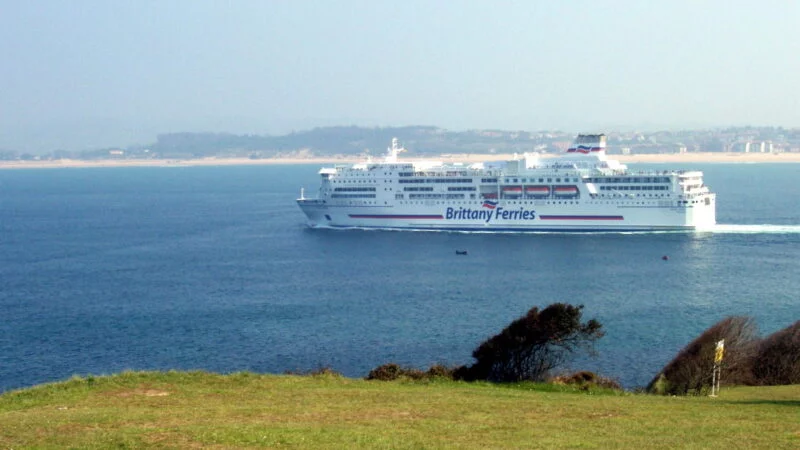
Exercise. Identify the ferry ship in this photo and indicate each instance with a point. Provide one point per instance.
(579, 190)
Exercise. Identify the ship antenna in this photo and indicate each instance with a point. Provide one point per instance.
(393, 151)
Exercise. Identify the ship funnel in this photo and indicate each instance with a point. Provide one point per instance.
(588, 143)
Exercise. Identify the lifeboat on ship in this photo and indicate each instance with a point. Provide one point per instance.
(537, 190)
(512, 190)
(566, 190)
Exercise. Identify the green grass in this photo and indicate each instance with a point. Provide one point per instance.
(197, 409)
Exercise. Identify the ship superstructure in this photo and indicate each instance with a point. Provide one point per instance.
(580, 190)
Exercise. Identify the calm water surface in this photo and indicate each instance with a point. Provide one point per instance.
(212, 268)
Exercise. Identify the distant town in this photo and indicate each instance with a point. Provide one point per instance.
(427, 141)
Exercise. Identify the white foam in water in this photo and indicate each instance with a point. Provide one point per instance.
(752, 229)
(716, 229)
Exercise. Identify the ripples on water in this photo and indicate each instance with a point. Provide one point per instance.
(103, 270)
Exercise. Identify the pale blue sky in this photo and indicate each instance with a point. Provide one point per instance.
(89, 73)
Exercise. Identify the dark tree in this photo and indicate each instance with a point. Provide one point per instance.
(533, 345)
(777, 358)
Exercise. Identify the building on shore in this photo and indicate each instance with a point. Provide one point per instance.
(753, 147)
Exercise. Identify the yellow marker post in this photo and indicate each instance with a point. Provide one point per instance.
(719, 353)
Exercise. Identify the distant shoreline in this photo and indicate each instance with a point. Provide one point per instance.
(748, 158)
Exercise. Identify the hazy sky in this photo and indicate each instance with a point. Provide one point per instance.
(89, 73)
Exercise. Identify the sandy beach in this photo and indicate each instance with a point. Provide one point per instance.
(748, 158)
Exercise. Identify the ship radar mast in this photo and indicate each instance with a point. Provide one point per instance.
(391, 155)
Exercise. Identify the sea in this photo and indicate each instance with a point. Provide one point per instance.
(104, 270)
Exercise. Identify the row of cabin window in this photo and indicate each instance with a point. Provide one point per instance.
(629, 180)
(437, 180)
(418, 189)
(450, 188)
(634, 188)
(435, 196)
(355, 189)
(541, 180)
(347, 181)
(352, 195)
(574, 201)
(461, 188)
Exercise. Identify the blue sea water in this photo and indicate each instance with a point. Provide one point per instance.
(213, 268)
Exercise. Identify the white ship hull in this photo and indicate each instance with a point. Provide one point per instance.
(513, 216)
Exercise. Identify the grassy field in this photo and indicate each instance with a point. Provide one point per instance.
(197, 409)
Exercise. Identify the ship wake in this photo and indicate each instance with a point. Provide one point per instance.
(714, 229)
(752, 229)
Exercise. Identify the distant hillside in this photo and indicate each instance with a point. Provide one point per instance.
(429, 140)
(421, 140)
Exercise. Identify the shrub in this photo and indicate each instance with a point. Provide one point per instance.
(392, 371)
(531, 346)
(586, 379)
(324, 371)
(777, 357)
(386, 372)
(690, 371)
(319, 371)
(440, 371)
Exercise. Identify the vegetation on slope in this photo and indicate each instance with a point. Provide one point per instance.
(532, 346)
(749, 360)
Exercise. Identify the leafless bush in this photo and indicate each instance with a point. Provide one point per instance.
(777, 358)
(690, 371)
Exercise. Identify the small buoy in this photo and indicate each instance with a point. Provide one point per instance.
(665, 257)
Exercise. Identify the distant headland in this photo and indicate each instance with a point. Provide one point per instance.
(350, 144)
(342, 159)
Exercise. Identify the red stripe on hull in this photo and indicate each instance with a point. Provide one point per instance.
(581, 218)
(393, 216)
